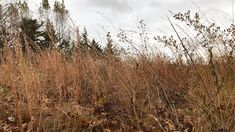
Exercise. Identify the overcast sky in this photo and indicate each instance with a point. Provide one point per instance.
(101, 16)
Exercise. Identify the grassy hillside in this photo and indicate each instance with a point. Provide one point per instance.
(60, 84)
(49, 92)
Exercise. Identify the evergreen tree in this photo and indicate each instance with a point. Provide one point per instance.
(32, 35)
(84, 42)
(96, 47)
(110, 49)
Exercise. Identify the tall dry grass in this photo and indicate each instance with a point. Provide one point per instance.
(50, 92)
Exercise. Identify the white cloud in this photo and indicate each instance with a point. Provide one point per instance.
(114, 14)
(121, 6)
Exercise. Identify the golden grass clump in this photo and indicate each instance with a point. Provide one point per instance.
(52, 93)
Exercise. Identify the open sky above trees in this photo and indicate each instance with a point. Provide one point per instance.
(101, 16)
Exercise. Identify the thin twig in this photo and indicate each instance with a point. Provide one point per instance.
(158, 122)
(63, 112)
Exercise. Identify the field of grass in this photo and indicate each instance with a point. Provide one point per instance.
(51, 93)
(49, 87)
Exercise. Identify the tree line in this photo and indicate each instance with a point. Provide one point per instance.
(51, 30)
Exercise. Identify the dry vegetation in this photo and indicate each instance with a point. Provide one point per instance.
(51, 93)
(46, 91)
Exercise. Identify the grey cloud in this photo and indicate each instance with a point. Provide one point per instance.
(115, 5)
(155, 4)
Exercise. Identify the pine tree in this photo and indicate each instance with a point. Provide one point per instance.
(32, 35)
(95, 48)
(84, 42)
(110, 49)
